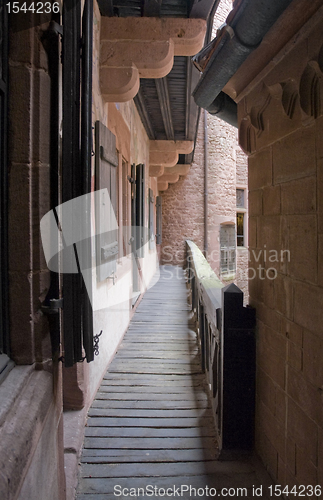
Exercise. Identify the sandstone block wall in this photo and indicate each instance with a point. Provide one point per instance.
(183, 202)
(183, 209)
(286, 234)
(31, 413)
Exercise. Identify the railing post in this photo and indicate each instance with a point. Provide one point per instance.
(202, 336)
(237, 344)
(227, 340)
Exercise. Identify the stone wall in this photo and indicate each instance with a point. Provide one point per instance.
(31, 411)
(286, 241)
(183, 202)
(183, 209)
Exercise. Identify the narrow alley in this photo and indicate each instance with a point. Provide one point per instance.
(150, 430)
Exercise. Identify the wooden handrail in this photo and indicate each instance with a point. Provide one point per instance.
(207, 283)
(226, 333)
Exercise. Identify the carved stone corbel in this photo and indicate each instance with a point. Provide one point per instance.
(143, 47)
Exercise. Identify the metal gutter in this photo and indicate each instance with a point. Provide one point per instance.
(243, 32)
(224, 108)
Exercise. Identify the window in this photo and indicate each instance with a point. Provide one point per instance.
(240, 198)
(151, 234)
(138, 207)
(240, 229)
(106, 213)
(158, 220)
(125, 223)
(227, 250)
(241, 211)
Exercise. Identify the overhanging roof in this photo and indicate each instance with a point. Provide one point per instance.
(165, 105)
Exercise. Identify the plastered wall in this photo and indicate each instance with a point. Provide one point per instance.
(112, 305)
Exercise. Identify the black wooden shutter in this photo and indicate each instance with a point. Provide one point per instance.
(72, 283)
(77, 313)
(158, 220)
(86, 168)
(4, 323)
(106, 209)
(140, 209)
(134, 232)
(151, 219)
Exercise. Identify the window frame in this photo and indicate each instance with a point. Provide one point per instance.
(228, 273)
(242, 210)
(106, 176)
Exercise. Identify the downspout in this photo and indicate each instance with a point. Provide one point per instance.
(206, 195)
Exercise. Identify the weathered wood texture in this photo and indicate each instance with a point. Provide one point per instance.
(151, 422)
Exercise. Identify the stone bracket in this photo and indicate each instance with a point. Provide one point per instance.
(164, 154)
(134, 48)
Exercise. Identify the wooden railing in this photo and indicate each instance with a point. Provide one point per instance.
(226, 333)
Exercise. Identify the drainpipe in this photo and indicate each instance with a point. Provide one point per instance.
(206, 195)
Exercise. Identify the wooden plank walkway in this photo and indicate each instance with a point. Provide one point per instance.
(151, 423)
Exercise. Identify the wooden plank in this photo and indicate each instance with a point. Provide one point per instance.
(156, 371)
(150, 443)
(185, 484)
(171, 422)
(154, 336)
(126, 365)
(149, 354)
(152, 9)
(162, 362)
(162, 346)
(162, 405)
(169, 389)
(134, 413)
(126, 456)
(147, 469)
(176, 380)
(149, 358)
(156, 329)
(144, 379)
(154, 366)
(160, 343)
(149, 432)
(125, 396)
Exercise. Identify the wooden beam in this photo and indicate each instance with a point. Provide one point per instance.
(188, 95)
(181, 147)
(143, 113)
(152, 8)
(192, 76)
(163, 97)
